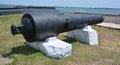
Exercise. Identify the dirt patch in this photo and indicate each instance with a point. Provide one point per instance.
(5, 60)
(108, 37)
(71, 63)
(109, 42)
(105, 61)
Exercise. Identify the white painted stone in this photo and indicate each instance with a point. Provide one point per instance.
(53, 47)
(86, 35)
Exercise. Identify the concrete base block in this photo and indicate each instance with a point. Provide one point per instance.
(53, 47)
(86, 35)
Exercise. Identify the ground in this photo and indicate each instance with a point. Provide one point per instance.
(13, 51)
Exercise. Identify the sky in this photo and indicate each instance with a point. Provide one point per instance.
(66, 3)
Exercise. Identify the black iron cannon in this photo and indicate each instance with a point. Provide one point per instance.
(37, 25)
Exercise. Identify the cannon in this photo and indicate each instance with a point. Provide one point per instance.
(37, 25)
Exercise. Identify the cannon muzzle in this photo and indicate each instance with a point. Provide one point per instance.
(37, 25)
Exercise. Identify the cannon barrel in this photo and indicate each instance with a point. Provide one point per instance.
(81, 20)
(38, 25)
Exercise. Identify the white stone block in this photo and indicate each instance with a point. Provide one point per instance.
(53, 47)
(86, 35)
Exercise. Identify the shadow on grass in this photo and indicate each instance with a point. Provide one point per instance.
(71, 40)
(25, 50)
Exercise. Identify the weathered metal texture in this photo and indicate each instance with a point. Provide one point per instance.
(37, 25)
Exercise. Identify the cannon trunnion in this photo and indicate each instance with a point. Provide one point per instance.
(37, 25)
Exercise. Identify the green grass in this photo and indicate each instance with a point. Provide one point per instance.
(107, 53)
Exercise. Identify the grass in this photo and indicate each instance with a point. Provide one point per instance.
(107, 53)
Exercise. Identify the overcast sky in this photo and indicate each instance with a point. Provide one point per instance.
(68, 3)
